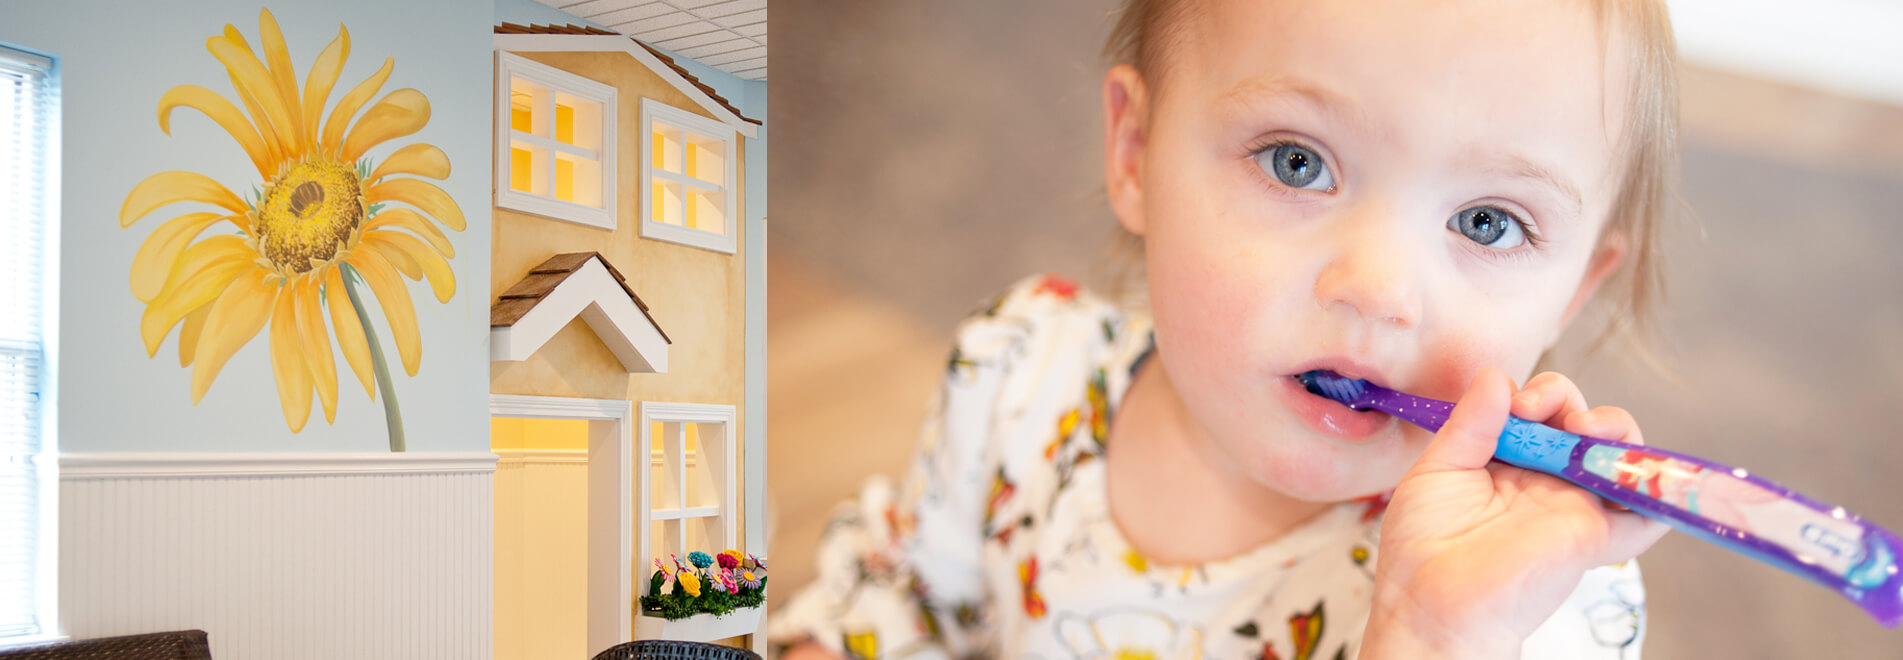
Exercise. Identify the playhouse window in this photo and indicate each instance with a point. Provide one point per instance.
(691, 481)
(555, 143)
(687, 178)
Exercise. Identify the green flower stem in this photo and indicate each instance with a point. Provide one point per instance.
(391, 415)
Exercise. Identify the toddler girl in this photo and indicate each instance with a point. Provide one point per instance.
(1421, 193)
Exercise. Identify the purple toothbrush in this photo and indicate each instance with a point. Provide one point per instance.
(1721, 504)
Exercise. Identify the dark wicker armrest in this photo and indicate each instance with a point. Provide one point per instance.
(654, 649)
(175, 645)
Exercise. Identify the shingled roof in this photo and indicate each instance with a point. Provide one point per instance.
(511, 28)
(516, 302)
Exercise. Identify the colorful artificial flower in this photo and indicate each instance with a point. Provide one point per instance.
(749, 580)
(758, 562)
(662, 567)
(700, 559)
(749, 563)
(690, 583)
(320, 233)
(731, 555)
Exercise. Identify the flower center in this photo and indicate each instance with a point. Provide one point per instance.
(309, 212)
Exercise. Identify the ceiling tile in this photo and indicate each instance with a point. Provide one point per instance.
(690, 4)
(684, 30)
(690, 42)
(626, 14)
(756, 30)
(729, 8)
(746, 18)
(642, 27)
(751, 74)
(709, 50)
(755, 53)
(586, 7)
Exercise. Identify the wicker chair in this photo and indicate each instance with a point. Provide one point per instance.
(656, 649)
(175, 645)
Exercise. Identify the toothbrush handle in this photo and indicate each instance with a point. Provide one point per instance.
(1726, 506)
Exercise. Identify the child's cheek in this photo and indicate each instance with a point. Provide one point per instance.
(1452, 365)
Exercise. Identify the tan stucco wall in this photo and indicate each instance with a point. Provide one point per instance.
(696, 296)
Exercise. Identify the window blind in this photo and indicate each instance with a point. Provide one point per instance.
(25, 104)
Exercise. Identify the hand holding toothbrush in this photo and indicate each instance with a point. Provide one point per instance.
(1476, 554)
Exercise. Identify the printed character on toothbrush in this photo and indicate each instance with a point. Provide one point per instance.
(1724, 505)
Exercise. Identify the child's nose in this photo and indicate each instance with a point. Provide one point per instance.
(1371, 276)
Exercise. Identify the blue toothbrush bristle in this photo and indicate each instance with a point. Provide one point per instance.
(1329, 384)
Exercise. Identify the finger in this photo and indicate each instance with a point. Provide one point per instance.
(1628, 535)
(1608, 422)
(1548, 397)
(1472, 431)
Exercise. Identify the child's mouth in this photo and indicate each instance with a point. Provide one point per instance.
(1329, 416)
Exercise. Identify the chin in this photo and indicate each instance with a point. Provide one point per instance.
(1326, 471)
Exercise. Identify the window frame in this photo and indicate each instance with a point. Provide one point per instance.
(510, 66)
(45, 460)
(725, 242)
(726, 417)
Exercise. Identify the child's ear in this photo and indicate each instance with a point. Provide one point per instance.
(1126, 115)
(1605, 261)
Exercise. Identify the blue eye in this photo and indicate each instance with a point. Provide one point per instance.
(1490, 226)
(1296, 166)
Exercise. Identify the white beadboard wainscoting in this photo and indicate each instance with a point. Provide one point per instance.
(328, 556)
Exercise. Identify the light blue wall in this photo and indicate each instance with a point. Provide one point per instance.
(118, 58)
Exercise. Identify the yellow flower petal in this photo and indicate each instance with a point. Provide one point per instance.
(343, 318)
(196, 290)
(347, 106)
(237, 38)
(188, 335)
(287, 361)
(315, 341)
(271, 141)
(401, 113)
(419, 255)
(251, 79)
(322, 77)
(418, 159)
(152, 266)
(394, 296)
(420, 194)
(411, 220)
(283, 77)
(403, 262)
(168, 187)
(223, 113)
(236, 317)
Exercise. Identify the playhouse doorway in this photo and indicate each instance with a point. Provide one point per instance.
(563, 485)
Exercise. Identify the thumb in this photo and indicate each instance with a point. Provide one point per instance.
(1472, 431)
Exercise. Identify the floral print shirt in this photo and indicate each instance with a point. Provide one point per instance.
(1000, 543)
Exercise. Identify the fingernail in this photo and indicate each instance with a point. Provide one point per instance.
(1528, 398)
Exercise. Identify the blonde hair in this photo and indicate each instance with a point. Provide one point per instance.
(1648, 198)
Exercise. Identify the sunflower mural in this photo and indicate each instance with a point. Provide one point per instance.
(299, 251)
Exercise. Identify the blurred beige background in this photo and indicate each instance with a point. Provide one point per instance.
(929, 153)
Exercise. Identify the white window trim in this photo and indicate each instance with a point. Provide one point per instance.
(515, 66)
(689, 413)
(652, 110)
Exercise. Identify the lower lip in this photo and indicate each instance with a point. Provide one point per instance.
(1330, 417)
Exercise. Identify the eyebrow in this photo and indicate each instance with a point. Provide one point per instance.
(1517, 166)
(1253, 93)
